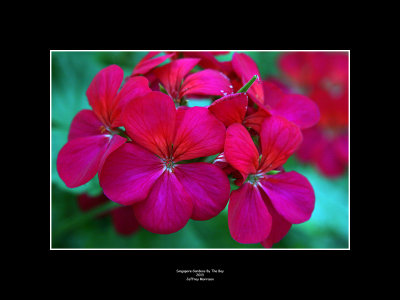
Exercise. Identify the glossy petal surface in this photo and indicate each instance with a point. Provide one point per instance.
(198, 134)
(248, 217)
(291, 195)
(240, 151)
(129, 173)
(167, 208)
(208, 187)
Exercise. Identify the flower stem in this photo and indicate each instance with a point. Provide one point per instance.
(246, 87)
(84, 217)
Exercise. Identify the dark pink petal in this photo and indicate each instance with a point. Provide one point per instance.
(129, 173)
(240, 151)
(245, 67)
(304, 68)
(272, 94)
(279, 139)
(115, 142)
(167, 208)
(86, 202)
(280, 227)
(134, 87)
(206, 82)
(207, 186)
(220, 161)
(85, 124)
(79, 160)
(172, 74)
(248, 217)
(299, 109)
(198, 134)
(124, 220)
(102, 92)
(341, 145)
(313, 142)
(150, 122)
(230, 109)
(291, 195)
(329, 161)
(255, 120)
(208, 60)
(148, 63)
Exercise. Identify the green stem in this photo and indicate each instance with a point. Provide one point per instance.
(246, 87)
(84, 217)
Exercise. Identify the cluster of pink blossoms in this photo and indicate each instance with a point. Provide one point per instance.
(148, 148)
(324, 78)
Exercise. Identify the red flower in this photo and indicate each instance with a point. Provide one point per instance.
(93, 133)
(264, 207)
(149, 173)
(177, 84)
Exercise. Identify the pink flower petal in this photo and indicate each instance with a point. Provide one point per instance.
(148, 63)
(240, 151)
(255, 120)
(167, 208)
(305, 68)
(299, 109)
(207, 186)
(172, 74)
(206, 82)
(86, 202)
(291, 195)
(341, 145)
(124, 220)
(279, 139)
(150, 120)
(115, 142)
(79, 160)
(198, 134)
(272, 94)
(85, 124)
(230, 109)
(129, 173)
(313, 142)
(134, 87)
(248, 217)
(245, 67)
(280, 227)
(208, 60)
(329, 160)
(102, 91)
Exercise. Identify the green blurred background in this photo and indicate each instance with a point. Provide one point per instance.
(71, 74)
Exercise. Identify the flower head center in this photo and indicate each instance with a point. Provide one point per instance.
(254, 178)
(169, 164)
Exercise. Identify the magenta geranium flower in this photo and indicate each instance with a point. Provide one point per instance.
(176, 81)
(263, 209)
(152, 172)
(93, 133)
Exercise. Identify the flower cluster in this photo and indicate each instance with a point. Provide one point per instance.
(324, 78)
(168, 163)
